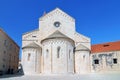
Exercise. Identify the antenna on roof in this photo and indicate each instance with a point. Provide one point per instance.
(44, 13)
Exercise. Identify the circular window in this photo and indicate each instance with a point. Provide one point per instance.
(57, 24)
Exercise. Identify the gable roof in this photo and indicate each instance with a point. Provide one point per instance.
(105, 47)
(30, 31)
(81, 47)
(56, 11)
(33, 44)
(57, 34)
(3, 32)
(79, 37)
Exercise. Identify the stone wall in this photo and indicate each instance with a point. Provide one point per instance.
(55, 40)
(46, 23)
(82, 65)
(58, 56)
(31, 60)
(9, 54)
(105, 61)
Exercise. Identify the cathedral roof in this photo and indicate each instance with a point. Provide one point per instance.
(31, 31)
(105, 47)
(81, 47)
(79, 37)
(57, 11)
(33, 44)
(57, 34)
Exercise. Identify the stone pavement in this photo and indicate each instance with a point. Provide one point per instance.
(111, 76)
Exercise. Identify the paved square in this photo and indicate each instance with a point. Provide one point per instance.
(114, 76)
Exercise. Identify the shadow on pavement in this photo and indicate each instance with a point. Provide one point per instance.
(11, 75)
(20, 73)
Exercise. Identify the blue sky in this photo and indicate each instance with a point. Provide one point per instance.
(97, 19)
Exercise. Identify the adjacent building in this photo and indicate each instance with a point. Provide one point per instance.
(105, 57)
(9, 54)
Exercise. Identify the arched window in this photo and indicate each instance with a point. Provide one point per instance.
(69, 53)
(83, 56)
(47, 53)
(58, 52)
(28, 56)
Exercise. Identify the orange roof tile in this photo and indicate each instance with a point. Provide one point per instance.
(105, 47)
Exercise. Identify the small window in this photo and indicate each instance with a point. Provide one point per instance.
(83, 56)
(14, 58)
(3, 66)
(10, 47)
(47, 53)
(5, 42)
(3, 59)
(57, 24)
(34, 36)
(115, 61)
(96, 61)
(4, 52)
(58, 52)
(69, 53)
(29, 56)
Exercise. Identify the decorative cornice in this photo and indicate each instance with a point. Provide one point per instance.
(57, 11)
(83, 50)
(32, 45)
(81, 47)
(87, 39)
(29, 34)
(58, 40)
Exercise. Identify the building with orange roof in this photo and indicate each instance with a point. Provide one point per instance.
(105, 57)
(106, 47)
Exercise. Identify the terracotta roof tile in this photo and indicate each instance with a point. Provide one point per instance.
(105, 47)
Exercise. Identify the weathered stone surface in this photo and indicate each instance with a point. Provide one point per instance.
(9, 54)
(54, 43)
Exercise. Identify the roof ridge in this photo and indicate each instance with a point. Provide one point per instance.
(58, 11)
(106, 47)
(106, 43)
(30, 31)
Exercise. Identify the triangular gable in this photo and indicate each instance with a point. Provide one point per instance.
(81, 47)
(57, 34)
(32, 35)
(33, 44)
(47, 23)
(81, 38)
(57, 11)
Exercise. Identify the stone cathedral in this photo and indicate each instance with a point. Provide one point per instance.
(56, 48)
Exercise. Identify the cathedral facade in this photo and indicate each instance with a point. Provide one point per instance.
(56, 48)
